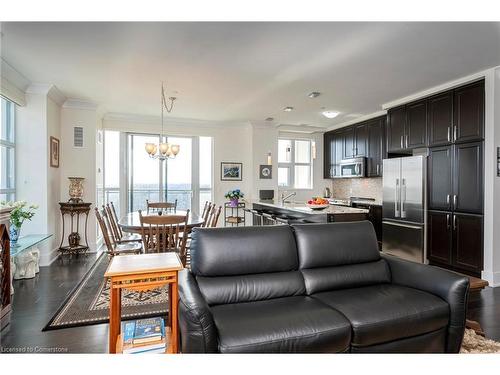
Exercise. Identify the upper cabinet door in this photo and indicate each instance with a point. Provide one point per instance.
(375, 145)
(416, 125)
(396, 120)
(338, 140)
(329, 155)
(349, 143)
(469, 113)
(468, 178)
(440, 119)
(360, 139)
(439, 172)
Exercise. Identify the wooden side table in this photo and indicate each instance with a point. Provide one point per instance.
(141, 273)
(74, 210)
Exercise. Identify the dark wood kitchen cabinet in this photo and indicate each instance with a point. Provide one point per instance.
(328, 155)
(467, 242)
(440, 119)
(468, 177)
(416, 125)
(440, 177)
(375, 146)
(469, 113)
(439, 237)
(360, 139)
(349, 144)
(396, 120)
(455, 241)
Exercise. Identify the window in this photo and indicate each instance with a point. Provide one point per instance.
(7, 150)
(112, 169)
(295, 163)
(205, 174)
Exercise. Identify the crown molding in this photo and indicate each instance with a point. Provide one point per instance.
(72, 103)
(12, 75)
(56, 95)
(156, 120)
(12, 92)
(357, 119)
(304, 129)
(439, 88)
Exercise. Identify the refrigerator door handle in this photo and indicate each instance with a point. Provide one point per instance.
(454, 201)
(404, 225)
(403, 198)
(396, 198)
(402, 142)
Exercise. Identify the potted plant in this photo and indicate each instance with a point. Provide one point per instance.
(234, 196)
(20, 212)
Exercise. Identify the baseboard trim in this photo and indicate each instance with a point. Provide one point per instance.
(47, 259)
(493, 278)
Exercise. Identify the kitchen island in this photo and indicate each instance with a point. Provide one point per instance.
(295, 213)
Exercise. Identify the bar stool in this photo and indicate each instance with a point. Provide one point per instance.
(268, 219)
(257, 218)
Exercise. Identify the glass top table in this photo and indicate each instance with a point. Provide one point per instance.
(26, 242)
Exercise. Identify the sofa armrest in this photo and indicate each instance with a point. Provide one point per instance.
(448, 285)
(196, 324)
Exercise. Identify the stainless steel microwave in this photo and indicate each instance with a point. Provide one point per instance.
(351, 168)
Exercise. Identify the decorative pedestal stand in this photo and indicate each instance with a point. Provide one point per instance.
(74, 210)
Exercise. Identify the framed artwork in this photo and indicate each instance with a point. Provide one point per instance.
(265, 172)
(230, 171)
(54, 152)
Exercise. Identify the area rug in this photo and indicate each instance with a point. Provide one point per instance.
(88, 303)
(475, 344)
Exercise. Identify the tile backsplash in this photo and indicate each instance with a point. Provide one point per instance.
(357, 187)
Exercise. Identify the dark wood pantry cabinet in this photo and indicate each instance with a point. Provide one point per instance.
(469, 113)
(396, 120)
(440, 118)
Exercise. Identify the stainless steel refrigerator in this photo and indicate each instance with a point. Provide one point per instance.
(404, 210)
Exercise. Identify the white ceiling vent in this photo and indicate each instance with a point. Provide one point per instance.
(78, 136)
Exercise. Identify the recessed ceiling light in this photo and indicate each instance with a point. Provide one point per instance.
(330, 114)
(288, 109)
(270, 119)
(314, 94)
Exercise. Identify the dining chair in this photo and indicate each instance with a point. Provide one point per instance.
(160, 206)
(214, 217)
(162, 233)
(206, 213)
(116, 232)
(112, 247)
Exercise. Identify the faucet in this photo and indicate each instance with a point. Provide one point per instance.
(285, 197)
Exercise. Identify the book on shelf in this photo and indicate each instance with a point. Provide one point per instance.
(144, 329)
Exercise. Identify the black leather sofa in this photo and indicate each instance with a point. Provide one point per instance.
(321, 288)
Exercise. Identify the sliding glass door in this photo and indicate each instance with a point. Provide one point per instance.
(178, 174)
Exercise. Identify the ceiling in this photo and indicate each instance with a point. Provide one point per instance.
(238, 72)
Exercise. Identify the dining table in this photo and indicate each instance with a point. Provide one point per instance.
(131, 222)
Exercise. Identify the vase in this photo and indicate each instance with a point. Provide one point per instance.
(233, 202)
(76, 189)
(14, 233)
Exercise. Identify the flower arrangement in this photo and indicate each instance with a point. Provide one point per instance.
(234, 196)
(20, 212)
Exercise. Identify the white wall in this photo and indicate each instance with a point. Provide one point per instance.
(80, 162)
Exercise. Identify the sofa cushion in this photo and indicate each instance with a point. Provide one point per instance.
(242, 251)
(291, 324)
(339, 255)
(336, 244)
(386, 312)
(246, 288)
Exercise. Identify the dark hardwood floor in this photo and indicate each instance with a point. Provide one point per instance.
(36, 300)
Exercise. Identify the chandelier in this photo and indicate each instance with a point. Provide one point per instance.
(165, 150)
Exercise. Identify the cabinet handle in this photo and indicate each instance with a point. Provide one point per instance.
(454, 222)
(454, 133)
(448, 134)
(406, 137)
(396, 198)
(378, 168)
(402, 142)
(448, 200)
(448, 221)
(454, 201)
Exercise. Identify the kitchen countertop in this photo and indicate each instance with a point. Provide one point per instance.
(302, 208)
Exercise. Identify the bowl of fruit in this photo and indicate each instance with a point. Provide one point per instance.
(318, 203)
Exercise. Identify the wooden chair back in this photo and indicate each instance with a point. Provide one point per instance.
(115, 216)
(105, 233)
(112, 224)
(161, 233)
(206, 214)
(161, 206)
(205, 207)
(214, 217)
